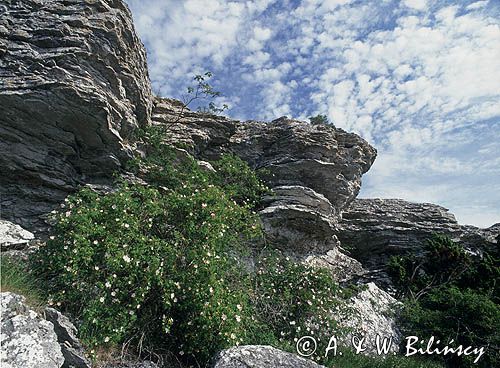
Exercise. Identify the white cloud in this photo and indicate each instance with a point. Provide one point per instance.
(182, 37)
(416, 4)
(477, 5)
(418, 79)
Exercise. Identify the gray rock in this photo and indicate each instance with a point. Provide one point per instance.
(376, 229)
(327, 160)
(259, 356)
(343, 267)
(72, 349)
(13, 237)
(314, 170)
(299, 220)
(74, 86)
(372, 313)
(27, 340)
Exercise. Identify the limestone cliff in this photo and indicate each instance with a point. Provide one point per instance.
(314, 170)
(376, 229)
(73, 86)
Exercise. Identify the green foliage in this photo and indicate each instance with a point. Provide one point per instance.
(161, 266)
(141, 263)
(451, 294)
(15, 277)
(319, 120)
(238, 180)
(444, 263)
(156, 267)
(468, 317)
(156, 264)
(294, 300)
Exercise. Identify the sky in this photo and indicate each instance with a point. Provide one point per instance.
(418, 79)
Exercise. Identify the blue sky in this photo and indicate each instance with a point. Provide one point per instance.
(418, 79)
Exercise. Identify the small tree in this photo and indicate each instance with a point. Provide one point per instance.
(203, 91)
(319, 120)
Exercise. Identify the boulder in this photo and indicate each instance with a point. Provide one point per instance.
(259, 356)
(13, 237)
(74, 88)
(27, 340)
(72, 349)
(372, 313)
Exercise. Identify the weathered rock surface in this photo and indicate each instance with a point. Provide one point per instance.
(314, 170)
(373, 314)
(13, 236)
(72, 349)
(259, 356)
(342, 267)
(327, 160)
(73, 87)
(299, 220)
(27, 340)
(376, 229)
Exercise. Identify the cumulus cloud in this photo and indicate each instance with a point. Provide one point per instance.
(185, 37)
(416, 4)
(477, 5)
(418, 79)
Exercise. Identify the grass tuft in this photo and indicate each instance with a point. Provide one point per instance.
(15, 277)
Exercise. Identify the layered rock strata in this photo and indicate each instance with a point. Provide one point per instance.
(376, 229)
(73, 87)
(315, 171)
(327, 160)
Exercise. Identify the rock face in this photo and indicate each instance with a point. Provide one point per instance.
(314, 170)
(376, 229)
(73, 87)
(253, 356)
(27, 340)
(327, 160)
(299, 220)
(16, 242)
(343, 267)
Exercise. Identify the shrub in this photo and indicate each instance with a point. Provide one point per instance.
(238, 180)
(160, 265)
(293, 300)
(152, 266)
(319, 120)
(451, 294)
(159, 268)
